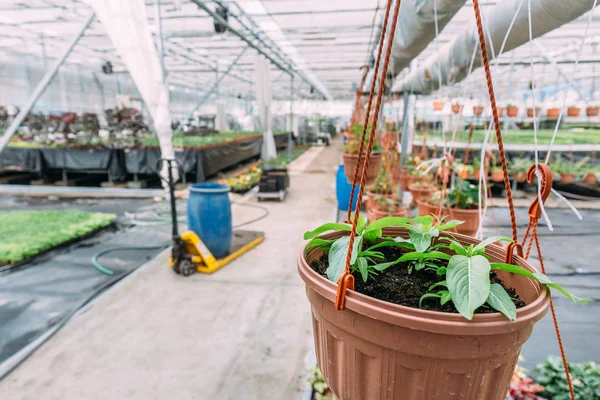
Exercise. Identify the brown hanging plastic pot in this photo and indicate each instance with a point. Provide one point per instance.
(438, 105)
(573, 111)
(477, 110)
(470, 217)
(372, 198)
(497, 175)
(553, 112)
(592, 111)
(421, 192)
(512, 111)
(377, 350)
(530, 112)
(500, 111)
(520, 177)
(457, 108)
(591, 178)
(350, 164)
(567, 178)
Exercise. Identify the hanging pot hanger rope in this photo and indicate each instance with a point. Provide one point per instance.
(368, 114)
(347, 280)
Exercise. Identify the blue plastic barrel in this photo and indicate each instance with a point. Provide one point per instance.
(343, 189)
(209, 216)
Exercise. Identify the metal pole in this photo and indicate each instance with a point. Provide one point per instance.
(222, 21)
(291, 132)
(216, 85)
(43, 84)
(161, 52)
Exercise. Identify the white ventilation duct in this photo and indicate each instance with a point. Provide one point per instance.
(415, 29)
(126, 24)
(453, 60)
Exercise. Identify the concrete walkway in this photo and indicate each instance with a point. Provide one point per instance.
(240, 334)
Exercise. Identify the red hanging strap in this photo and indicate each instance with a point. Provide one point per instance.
(345, 281)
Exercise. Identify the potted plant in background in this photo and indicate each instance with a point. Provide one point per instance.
(530, 113)
(553, 112)
(386, 207)
(461, 202)
(500, 111)
(422, 191)
(591, 178)
(497, 175)
(512, 110)
(382, 187)
(592, 110)
(457, 108)
(519, 166)
(351, 157)
(568, 170)
(477, 110)
(425, 305)
(438, 105)
(463, 171)
(477, 167)
(573, 111)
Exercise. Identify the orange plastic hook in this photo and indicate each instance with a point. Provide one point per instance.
(546, 186)
(364, 77)
(511, 248)
(346, 282)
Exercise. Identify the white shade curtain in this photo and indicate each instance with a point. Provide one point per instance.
(126, 23)
(263, 101)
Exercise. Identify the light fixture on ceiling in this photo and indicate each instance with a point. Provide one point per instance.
(107, 68)
(223, 13)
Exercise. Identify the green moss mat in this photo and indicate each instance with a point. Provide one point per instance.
(24, 234)
(526, 136)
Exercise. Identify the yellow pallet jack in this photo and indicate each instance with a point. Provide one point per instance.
(189, 253)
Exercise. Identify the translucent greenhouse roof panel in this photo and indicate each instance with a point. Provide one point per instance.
(332, 39)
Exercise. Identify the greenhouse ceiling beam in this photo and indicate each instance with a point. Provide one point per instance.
(452, 61)
(44, 82)
(218, 81)
(261, 43)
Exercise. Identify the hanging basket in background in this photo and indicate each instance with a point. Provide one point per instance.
(573, 111)
(438, 105)
(477, 110)
(457, 108)
(351, 163)
(512, 111)
(553, 112)
(530, 112)
(592, 111)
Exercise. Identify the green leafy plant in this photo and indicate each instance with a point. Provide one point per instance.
(520, 165)
(463, 196)
(24, 234)
(319, 385)
(585, 378)
(468, 282)
(570, 167)
(466, 277)
(383, 183)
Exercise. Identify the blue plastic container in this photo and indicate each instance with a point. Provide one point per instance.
(343, 189)
(209, 216)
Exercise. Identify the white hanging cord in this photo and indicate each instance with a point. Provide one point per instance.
(562, 108)
(482, 179)
(535, 119)
(571, 206)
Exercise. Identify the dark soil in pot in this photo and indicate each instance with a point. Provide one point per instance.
(396, 285)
